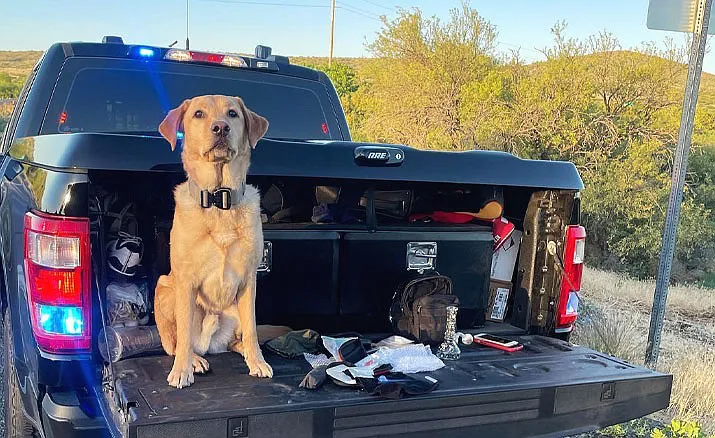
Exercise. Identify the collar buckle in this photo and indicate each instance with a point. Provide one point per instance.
(220, 198)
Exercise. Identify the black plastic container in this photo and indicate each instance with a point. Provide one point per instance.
(300, 290)
(366, 293)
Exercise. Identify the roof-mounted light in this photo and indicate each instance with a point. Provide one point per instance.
(146, 52)
(143, 52)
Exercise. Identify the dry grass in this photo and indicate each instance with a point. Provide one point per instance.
(684, 301)
(693, 383)
(615, 317)
(612, 331)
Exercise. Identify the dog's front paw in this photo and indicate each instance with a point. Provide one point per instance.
(259, 368)
(182, 374)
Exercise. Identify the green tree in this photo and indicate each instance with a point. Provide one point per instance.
(9, 87)
(419, 92)
(613, 112)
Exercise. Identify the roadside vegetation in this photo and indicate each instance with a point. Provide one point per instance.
(615, 320)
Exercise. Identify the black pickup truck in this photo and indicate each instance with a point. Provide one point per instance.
(85, 126)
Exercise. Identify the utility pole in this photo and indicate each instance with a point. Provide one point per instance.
(680, 165)
(187, 24)
(332, 31)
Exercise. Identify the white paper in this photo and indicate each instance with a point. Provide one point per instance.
(504, 260)
(499, 307)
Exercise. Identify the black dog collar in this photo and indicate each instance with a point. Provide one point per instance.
(222, 198)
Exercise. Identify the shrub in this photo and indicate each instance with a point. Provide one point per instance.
(680, 429)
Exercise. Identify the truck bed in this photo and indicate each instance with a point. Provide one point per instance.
(549, 386)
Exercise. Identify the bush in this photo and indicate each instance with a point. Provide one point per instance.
(680, 429)
(611, 331)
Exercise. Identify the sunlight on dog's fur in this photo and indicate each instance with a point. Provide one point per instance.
(207, 302)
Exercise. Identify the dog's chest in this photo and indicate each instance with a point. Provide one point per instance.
(224, 237)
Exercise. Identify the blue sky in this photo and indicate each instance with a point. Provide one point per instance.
(238, 25)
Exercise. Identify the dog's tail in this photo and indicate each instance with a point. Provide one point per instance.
(268, 332)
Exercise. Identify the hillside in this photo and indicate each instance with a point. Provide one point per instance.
(18, 64)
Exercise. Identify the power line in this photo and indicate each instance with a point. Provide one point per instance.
(249, 2)
(360, 10)
(359, 13)
(356, 11)
(379, 5)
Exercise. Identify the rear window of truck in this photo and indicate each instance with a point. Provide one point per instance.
(132, 97)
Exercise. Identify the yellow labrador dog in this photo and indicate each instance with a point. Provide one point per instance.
(207, 302)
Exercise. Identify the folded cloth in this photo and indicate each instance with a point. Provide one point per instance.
(396, 385)
(315, 378)
(292, 345)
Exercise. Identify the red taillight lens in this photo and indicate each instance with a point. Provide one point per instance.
(571, 279)
(57, 274)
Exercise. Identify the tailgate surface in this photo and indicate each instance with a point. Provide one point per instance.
(547, 379)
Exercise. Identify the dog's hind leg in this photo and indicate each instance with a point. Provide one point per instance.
(205, 325)
(164, 314)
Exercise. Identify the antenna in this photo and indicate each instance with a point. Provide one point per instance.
(187, 24)
(173, 44)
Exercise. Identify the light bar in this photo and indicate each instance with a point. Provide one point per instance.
(210, 58)
(145, 52)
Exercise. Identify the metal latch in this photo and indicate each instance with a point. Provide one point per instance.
(267, 259)
(421, 256)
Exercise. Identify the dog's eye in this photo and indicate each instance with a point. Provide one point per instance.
(199, 114)
(232, 113)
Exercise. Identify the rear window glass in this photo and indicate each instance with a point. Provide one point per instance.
(136, 99)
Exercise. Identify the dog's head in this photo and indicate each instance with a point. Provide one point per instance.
(216, 128)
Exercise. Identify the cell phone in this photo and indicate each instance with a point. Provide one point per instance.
(497, 342)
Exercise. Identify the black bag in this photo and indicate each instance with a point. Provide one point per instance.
(419, 308)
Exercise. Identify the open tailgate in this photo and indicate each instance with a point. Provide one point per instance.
(550, 388)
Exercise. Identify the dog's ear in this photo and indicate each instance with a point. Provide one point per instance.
(256, 126)
(172, 123)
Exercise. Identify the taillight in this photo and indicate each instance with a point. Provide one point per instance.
(571, 278)
(57, 274)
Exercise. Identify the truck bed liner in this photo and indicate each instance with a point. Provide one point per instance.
(515, 394)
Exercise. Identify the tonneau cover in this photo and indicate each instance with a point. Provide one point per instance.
(313, 159)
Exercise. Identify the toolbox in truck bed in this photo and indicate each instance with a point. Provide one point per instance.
(486, 392)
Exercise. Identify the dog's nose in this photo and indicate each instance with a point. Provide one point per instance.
(220, 128)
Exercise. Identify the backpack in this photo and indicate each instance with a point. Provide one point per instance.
(419, 308)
